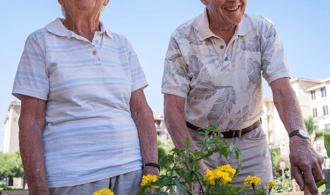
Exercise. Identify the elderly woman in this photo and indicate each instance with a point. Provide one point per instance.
(85, 124)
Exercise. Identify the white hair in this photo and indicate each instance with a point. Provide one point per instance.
(64, 10)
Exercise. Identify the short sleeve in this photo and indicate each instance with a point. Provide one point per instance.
(175, 76)
(274, 64)
(137, 74)
(31, 77)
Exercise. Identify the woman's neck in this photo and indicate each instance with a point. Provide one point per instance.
(83, 24)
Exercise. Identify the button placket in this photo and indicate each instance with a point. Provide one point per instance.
(94, 52)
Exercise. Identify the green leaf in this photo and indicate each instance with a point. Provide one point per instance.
(322, 182)
(187, 143)
(224, 152)
(188, 176)
(197, 167)
(239, 158)
(180, 186)
(327, 144)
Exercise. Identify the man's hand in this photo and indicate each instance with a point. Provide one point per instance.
(304, 159)
(150, 170)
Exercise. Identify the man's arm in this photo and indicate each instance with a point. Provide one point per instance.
(144, 121)
(303, 157)
(176, 123)
(31, 123)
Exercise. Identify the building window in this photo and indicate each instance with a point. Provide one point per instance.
(324, 92)
(314, 112)
(313, 95)
(157, 124)
(325, 110)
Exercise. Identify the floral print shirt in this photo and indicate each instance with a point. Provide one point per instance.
(222, 83)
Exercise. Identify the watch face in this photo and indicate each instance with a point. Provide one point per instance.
(303, 133)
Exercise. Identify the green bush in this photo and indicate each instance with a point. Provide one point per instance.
(11, 165)
(276, 163)
(12, 189)
(162, 152)
(2, 184)
(283, 186)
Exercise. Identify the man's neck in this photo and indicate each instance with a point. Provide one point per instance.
(222, 30)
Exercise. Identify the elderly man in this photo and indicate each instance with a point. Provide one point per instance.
(212, 75)
(85, 124)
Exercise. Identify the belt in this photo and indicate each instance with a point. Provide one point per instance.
(230, 133)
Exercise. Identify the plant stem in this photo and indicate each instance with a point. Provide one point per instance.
(199, 183)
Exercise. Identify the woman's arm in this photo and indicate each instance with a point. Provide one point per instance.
(31, 123)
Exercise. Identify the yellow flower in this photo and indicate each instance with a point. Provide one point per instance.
(149, 178)
(210, 177)
(271, 185)
(252, 180)
(227, 168)
(103, 192)
(224, 174)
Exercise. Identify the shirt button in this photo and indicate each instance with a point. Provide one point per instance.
(226, 59)
(96, 41)
(94, 52)
(221, 47)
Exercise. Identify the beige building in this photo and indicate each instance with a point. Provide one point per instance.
(314, 101)
(320, 103)
(11, 128)
(161, 128)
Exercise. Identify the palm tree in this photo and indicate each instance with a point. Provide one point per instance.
(314, 134)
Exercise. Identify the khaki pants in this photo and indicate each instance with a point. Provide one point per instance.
(256, 159)
(126, 184)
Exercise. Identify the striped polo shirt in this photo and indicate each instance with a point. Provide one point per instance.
(89, 133)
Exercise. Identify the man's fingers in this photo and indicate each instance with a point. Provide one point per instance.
(298, 176)
(317, 173)
(310, 181)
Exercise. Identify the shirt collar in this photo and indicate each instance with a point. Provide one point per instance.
(57, 27)
(204, 31)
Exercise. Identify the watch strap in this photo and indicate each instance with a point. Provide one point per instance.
(293, 133)
(152, 164)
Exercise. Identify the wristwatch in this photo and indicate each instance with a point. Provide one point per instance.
(301, 133)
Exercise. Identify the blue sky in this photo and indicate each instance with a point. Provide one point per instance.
(303, 26)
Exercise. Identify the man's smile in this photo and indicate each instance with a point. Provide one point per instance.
(232, 9)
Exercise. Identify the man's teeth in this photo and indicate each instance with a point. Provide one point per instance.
(232, 8)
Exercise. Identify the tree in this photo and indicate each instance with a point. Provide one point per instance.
(163, 152)
(276, 152)
(313, 133)
(11, 165)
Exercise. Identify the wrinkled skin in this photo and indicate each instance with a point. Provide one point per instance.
(83, 16)
(223, 17)
(304, 159)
